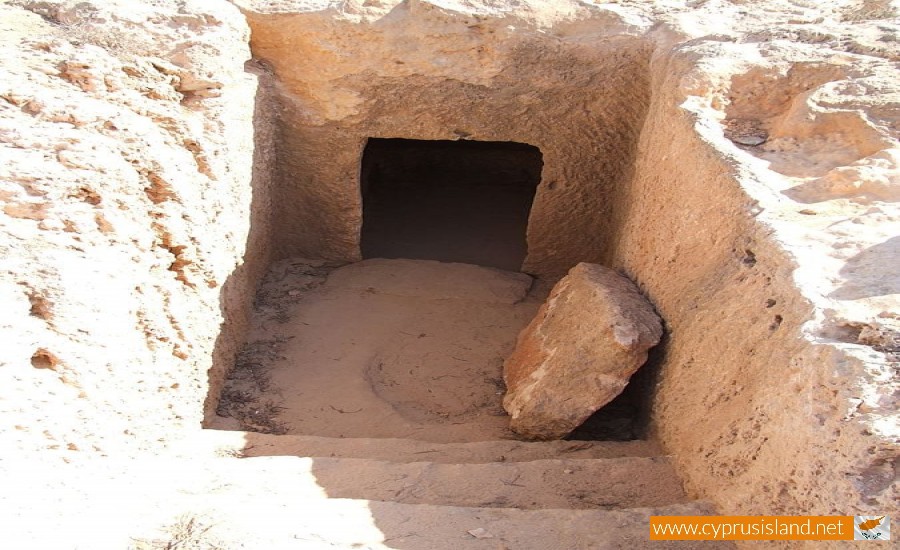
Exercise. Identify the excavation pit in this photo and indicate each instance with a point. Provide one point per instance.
(379, 349)
(520, 165)
(144, 222)
(391, 348)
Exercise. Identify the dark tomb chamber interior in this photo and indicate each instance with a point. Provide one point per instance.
(451, 201)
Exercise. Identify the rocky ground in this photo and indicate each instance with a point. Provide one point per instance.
(137, 145)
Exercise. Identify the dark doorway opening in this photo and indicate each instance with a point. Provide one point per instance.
(628, 416)
(452, 201)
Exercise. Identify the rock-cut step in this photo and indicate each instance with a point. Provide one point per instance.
(557, 483)
(251, 444)
(293, 503)
(272, 521)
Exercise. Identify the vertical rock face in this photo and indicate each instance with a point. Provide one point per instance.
(132, 221)
(449, 71)
(579, 352)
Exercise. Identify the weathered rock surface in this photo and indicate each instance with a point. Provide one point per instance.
(137, 206)
(131, 234)
(310, 503)
(579, 352)
(432, 73)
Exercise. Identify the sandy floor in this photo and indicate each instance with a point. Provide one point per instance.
(382, 348)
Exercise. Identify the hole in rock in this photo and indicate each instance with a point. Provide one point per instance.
(395, 347)
(618, 420)
(452, 201)
(43, 359)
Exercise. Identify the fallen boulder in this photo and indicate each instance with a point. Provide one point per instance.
(579, 352)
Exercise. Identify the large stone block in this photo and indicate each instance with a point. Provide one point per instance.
(579, 352)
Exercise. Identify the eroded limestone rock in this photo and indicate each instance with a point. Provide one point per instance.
(579, 352)
(115, 278)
